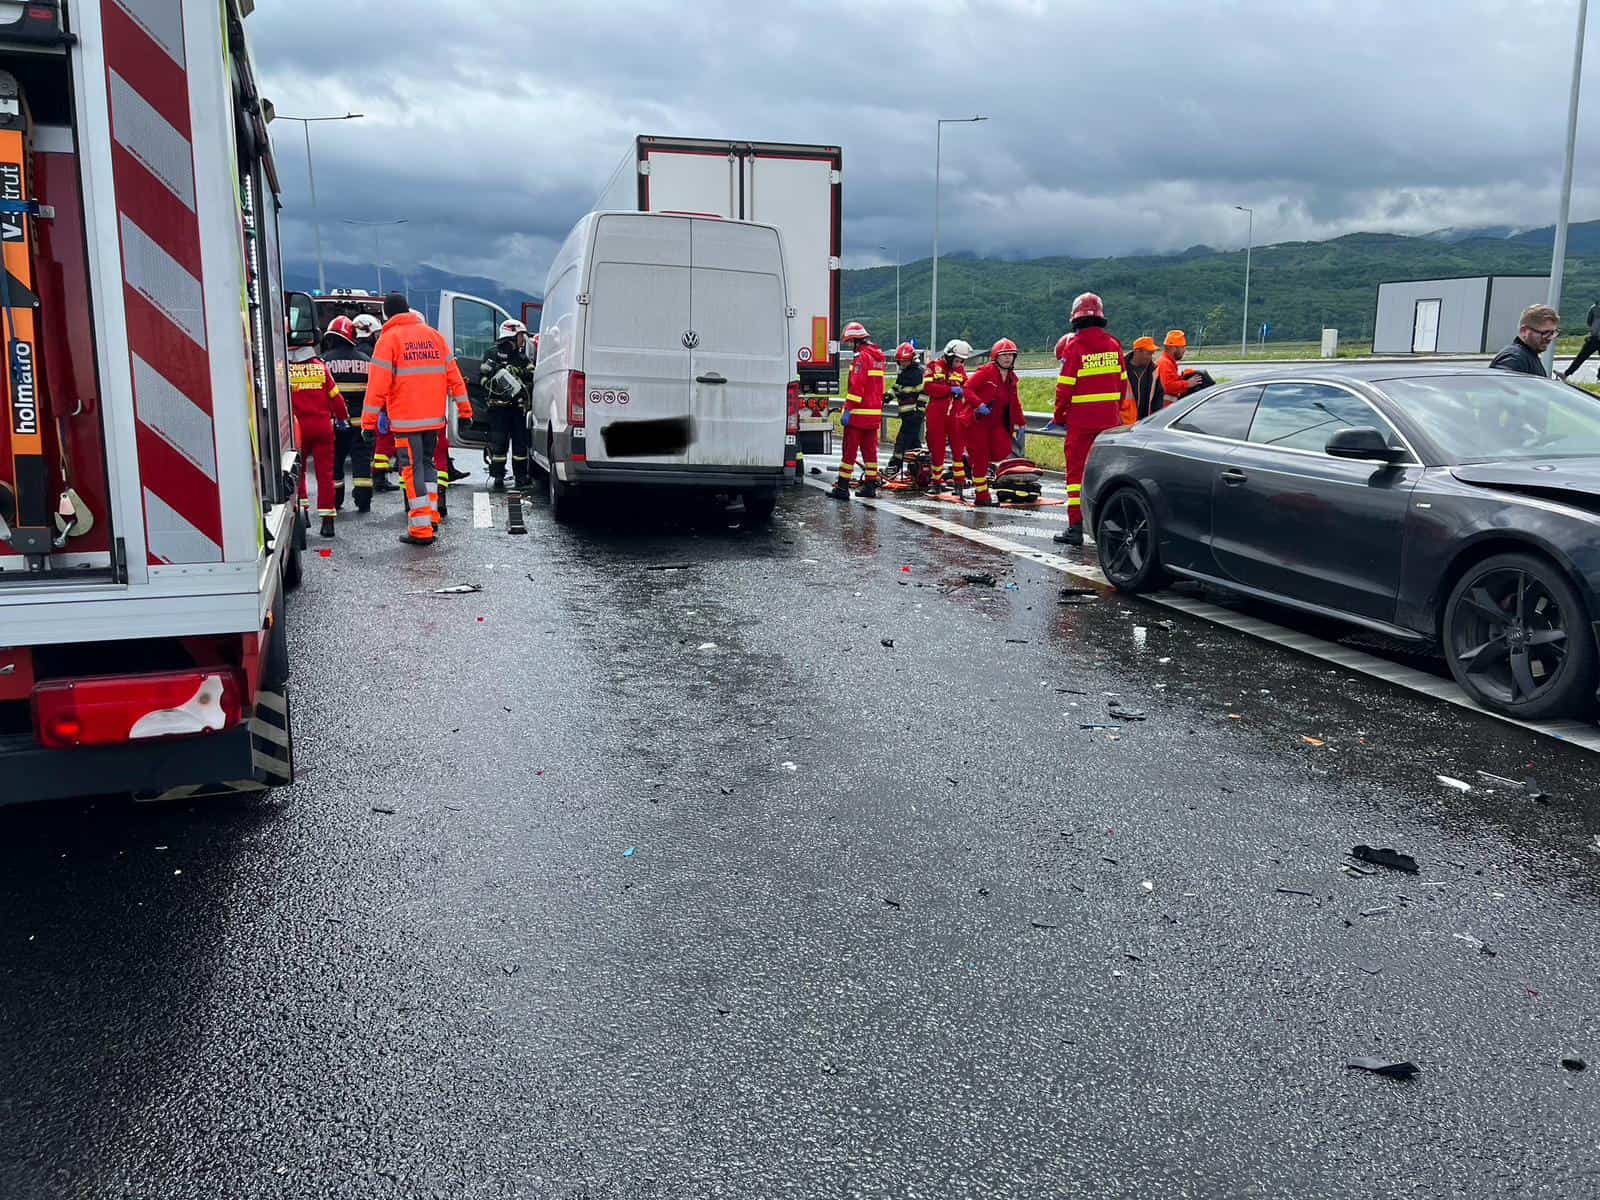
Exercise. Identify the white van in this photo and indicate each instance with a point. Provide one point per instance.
(664, 360)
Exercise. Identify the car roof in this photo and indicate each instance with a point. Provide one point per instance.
(1371, 372)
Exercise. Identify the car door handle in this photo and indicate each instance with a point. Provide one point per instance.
(1233, 477)
(710, 377)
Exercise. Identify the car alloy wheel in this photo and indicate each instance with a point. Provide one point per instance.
(1517, 638)
(1125, 537)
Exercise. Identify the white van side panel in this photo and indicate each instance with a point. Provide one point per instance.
(559, 336)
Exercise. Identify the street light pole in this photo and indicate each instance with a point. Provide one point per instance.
(1249, 240)
(885, 249)
(1558, 256)
(311, 176)
(938, 150)
(377, 240)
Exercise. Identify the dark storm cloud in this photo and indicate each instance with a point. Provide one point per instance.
(491, 126)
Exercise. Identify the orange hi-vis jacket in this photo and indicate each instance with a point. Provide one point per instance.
(940, 380)
(1174, 382)
(314, 397)
(1092, 383)
(413, 376)
(863, 398)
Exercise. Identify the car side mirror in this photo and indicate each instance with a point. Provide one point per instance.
(1363, 442)
(302, 319)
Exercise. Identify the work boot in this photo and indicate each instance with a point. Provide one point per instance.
(450, 474)
(363, 499)
(327, 528)
(1072, 535)
(840, 490)
(338, 494)
(524, 483)
(382, 483)
(936, 488)
(497, 483)
(444, 505)
(407, 540)
(869, 489)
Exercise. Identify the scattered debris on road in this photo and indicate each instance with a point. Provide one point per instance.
(1390, 1070)
(789, 766)
(1043, 925)
(1460, 785)
(1114, 709)
(886, 643)
(455, 589)
(1289, 891)
(708, 646)
(1148, 885)
(891, 903)
(1311, 741)
(378, 808)
(1528, 786)
(1383, 856)
(981, 579)
(1573, 1063)
(1016, 641)
(1480, 947)
(629, 852)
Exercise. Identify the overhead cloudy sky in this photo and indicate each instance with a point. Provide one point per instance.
(491, 125)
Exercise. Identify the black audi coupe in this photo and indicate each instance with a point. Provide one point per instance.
(1451, 505)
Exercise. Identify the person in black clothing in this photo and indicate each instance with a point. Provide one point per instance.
(1144, 381)
(1536, 330)
(913, 406)
(1591, 343)
(506, 376)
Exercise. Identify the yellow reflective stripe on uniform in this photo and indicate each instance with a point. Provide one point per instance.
(1097, 398)
(866, 412)
(1109, 369)
(875, 374)
(1066, 380)
(1074, 487)
(851, 396)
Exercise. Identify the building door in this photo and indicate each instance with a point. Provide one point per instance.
(1425, 327)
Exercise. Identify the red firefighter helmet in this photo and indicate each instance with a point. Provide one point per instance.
(1061, 346)
(853, 331)
(344, 327)
(1003, 346)
(905, 352)
(1088, 305)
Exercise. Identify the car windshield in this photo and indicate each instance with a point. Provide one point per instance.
(1482, 418)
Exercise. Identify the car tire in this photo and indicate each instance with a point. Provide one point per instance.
(563, 506)
(1517, 638)
(759, 506)
(1128, 542)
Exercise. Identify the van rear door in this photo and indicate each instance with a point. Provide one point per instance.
(469, 325)
(739, 363)
(636, 343)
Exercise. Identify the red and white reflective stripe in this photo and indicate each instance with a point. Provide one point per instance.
(163, 286)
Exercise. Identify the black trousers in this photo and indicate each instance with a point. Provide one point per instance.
(1590, 345)
(508, 429)
(910, 435)
(349, 445)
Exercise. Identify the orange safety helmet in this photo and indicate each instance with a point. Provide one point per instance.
(1061, 346)
(905, 352)
(344, 327)
(1088, 305)
(1145, 343)
(1003, 346)
(1175, 337)
(854, 331)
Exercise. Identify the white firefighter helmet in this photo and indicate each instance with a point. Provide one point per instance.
(509, 328)
(366, 325)
(958, 348)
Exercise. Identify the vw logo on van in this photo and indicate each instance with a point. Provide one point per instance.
(691, 339)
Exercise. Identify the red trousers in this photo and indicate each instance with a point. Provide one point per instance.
(441, 454)
(861, 439)
(988, 442)
(383, 453)
(1078, 442)
(942, 428)
(316, 443)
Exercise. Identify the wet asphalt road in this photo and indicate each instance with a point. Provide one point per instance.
(692, 887)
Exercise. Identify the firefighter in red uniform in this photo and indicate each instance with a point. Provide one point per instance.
(318, 406)
(992, 410)
(349, 365)
(1089, 394)
(943, 385)
(863, 413)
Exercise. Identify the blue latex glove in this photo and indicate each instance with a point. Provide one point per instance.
(341, 426)
(983, 410)
(844, 417)
(958, 392)
(383, 421)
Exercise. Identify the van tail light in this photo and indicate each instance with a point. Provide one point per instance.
(577, 386)
(109, 710)
(794, 406)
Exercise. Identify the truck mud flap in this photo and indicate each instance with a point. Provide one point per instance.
(271, 755)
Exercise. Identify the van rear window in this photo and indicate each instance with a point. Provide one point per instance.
(638, 306)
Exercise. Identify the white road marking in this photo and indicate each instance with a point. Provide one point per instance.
(482, 518)
(1575, 733)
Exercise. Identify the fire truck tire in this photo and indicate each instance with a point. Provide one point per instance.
(293, 568)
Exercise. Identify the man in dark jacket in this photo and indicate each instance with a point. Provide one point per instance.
(1144, 381)
(506, 377)
(1535, 332)
(1590, 343)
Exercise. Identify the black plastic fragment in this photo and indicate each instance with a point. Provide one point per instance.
(1114, 708)
(1573, 1063)
(981, 578)
(886, 643)
(1384, 856)
(1390, 1070)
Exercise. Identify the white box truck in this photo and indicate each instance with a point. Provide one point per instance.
(147, 467)
(797, 188)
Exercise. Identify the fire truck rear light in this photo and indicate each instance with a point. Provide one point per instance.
(108, 710)
(576, 384)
